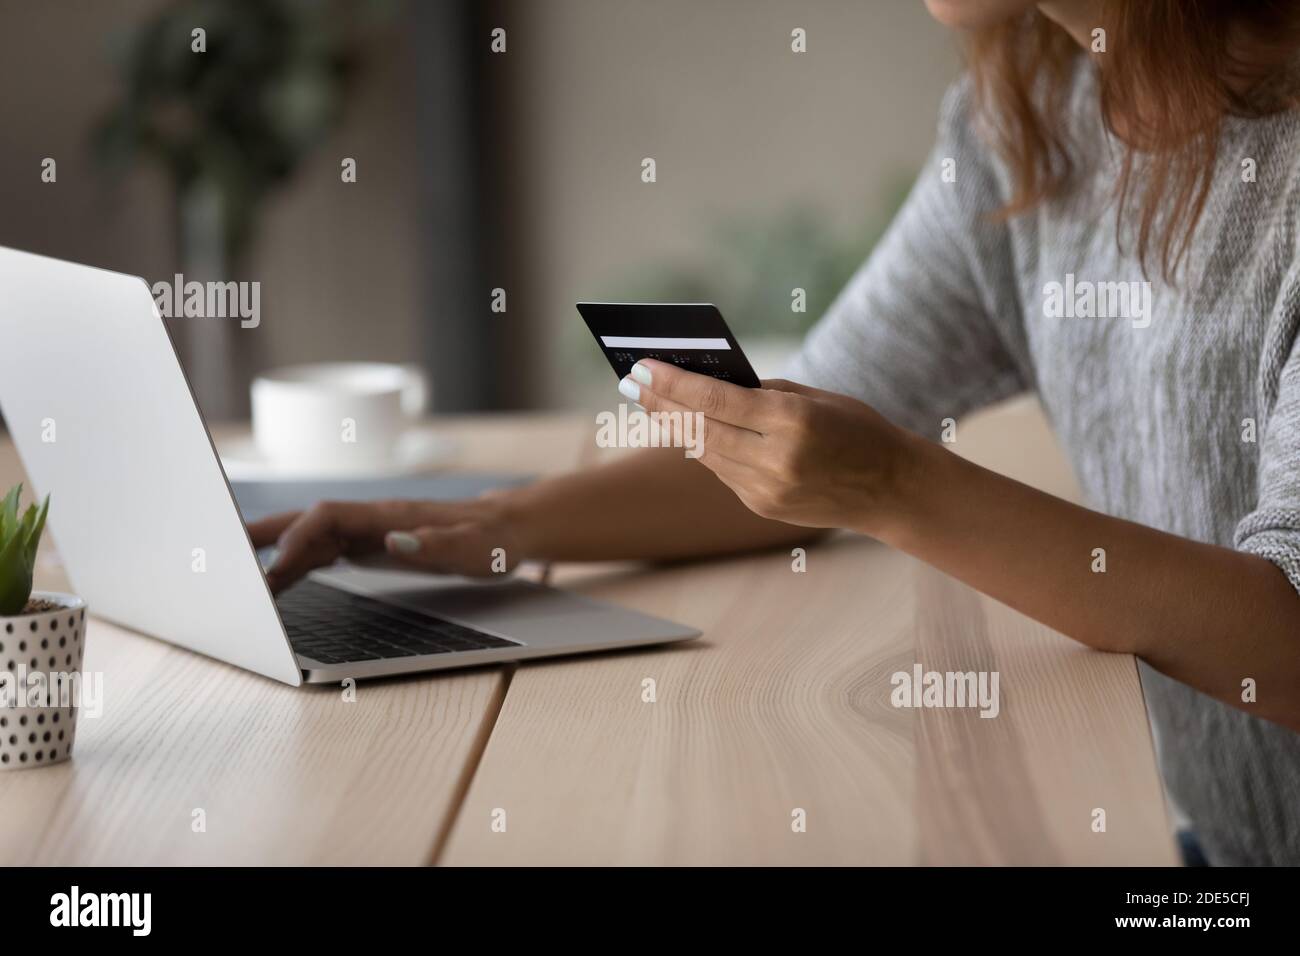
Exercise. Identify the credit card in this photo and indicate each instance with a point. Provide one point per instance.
(691, 336)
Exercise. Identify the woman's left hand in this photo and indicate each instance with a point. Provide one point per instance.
(789, 452)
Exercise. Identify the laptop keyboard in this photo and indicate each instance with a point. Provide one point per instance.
(334, 626)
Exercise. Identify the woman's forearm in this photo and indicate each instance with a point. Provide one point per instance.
(653, 504)
(1206, 615)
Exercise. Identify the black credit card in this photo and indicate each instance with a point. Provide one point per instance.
(692, 336)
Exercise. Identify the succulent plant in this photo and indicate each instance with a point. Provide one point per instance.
(19, 538)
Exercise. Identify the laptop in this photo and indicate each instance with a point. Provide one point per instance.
(143, 517)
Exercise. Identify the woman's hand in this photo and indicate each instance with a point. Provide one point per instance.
(789, 452)
(453, 537)
(797, 455)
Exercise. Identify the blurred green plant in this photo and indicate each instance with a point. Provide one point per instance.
(754, 262)
(757, 260)
(240, 117)
(19, 539)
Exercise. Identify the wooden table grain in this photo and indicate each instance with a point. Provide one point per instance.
(770, 740)
(773, 740)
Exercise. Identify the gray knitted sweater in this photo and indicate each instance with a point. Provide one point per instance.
(954, 311)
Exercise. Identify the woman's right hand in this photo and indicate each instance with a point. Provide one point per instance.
(443, 537)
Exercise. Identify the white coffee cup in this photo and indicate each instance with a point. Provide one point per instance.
(335, 415)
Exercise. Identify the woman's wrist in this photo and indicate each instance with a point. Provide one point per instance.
(516, 511)
(919, 473)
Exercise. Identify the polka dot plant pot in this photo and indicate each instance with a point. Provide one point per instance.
(38, 714)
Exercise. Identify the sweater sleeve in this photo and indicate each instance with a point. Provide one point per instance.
(927, 328)
(1272, 529)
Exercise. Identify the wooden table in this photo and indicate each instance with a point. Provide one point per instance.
(780, 713)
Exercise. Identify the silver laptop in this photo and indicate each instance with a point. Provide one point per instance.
(144, 519)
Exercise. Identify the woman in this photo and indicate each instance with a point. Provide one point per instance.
(1093, 143)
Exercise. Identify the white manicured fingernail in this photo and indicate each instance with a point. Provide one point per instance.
(402, 543)
(641, 373)
(629, 389)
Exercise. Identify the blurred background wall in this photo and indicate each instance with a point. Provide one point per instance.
(476, 170)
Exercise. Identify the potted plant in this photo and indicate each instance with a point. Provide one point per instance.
(41, 642)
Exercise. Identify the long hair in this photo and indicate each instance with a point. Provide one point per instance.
(1170, 73)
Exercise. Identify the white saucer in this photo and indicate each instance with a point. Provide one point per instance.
(417, 451)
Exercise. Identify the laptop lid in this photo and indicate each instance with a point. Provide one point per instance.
(103, 418)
